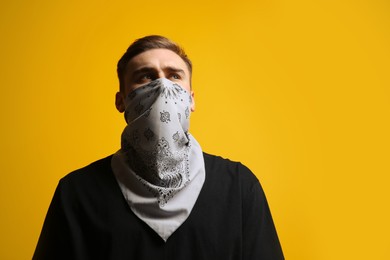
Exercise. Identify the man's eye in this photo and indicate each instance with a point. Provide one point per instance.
(144, 78)
(147, 76)
(175, 76)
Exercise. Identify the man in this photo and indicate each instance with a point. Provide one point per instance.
(159, 196)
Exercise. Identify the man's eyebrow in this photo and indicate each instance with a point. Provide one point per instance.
(148, 69)
(142, 70)
(174, 69)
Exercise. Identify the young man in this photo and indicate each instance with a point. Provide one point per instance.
(160, 196)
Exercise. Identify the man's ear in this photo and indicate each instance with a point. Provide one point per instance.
(120, 102)
(192, 101)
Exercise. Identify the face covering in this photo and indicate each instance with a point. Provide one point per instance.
(160, 167)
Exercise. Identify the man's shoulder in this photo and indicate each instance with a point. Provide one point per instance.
(95, 170)
(223, 168)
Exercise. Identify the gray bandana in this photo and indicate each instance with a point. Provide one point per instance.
(160, 167)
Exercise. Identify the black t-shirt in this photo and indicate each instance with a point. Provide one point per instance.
(89, 219)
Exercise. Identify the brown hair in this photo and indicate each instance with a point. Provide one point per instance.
(148, 43)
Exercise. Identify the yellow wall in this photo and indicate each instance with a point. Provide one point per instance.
(297, 90)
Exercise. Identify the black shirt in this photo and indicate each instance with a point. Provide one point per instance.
(89, 219)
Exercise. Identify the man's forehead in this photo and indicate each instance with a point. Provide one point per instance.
(156, 57)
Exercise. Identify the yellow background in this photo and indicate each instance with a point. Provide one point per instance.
(296, 90)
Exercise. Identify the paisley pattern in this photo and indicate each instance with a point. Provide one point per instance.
(159, 168)
(165, 117)
(155, 141)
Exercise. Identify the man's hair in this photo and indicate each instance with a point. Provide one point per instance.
(148, 43)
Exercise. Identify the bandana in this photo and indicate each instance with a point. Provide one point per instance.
(160, 167)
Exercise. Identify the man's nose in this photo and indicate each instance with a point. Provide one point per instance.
(161, 74)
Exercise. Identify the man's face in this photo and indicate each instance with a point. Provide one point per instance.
(150, 65)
